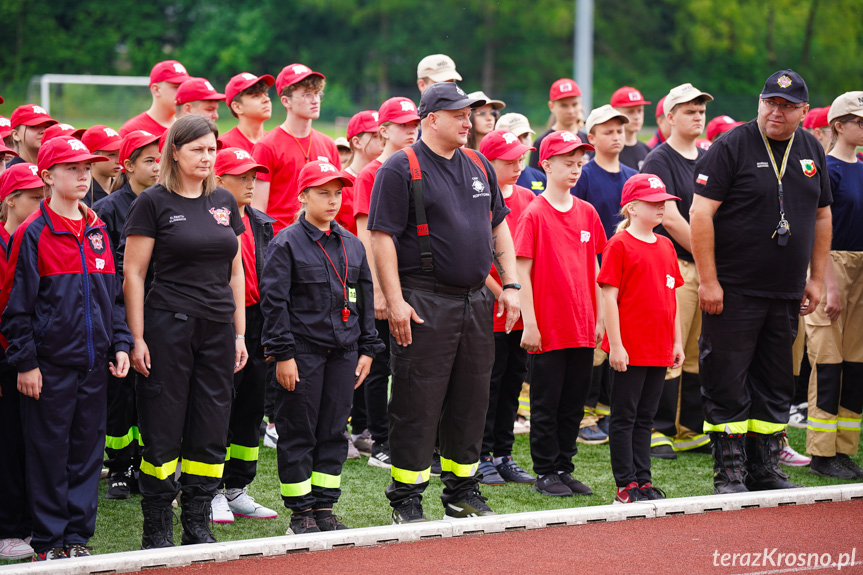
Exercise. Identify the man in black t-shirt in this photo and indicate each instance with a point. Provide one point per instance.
(441, 343)
(760, 217)
(679, 421)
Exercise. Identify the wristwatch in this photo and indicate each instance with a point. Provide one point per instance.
(512, 286)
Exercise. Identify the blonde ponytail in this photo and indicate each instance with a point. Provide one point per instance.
(627, 219)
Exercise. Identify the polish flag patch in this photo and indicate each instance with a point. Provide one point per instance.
(701, 179)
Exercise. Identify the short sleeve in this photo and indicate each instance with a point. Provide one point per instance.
(675, 267)
(524, 236)
(714, 172)
(263, 154)
(141, 220)
(826, 197)
(611, 271)
(236, 219)
(390, 202)
(499, 210)
(598, 232)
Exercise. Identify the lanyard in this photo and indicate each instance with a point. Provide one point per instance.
(779, 173)
(346, 313)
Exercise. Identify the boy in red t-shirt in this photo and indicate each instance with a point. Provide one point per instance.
(292, 145)
(557, 241)
(198, 96)
(165, 79)
(247, 98)
(506, 154)
(638, 279)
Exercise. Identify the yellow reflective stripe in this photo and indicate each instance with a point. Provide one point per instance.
(119, 442)
(602, 410)
(328, 481)
(849, 423)
(163, 471)
(659, 439)
(733, 428)
(202, 469)
(825, 425)
(296, 489)
(458, 469)
(243, 453)
(693, 443)
(765, 427)
(410, 477)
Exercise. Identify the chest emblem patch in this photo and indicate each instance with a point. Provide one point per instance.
(97, 242)
(222, 215)
(808, 167)
(669, 281)
(477, 185)
(585, 236)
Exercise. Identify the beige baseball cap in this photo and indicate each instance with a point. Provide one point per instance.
(847, 103)
(515, 123)
(681, 94)
(601, 115)
(480, 95)
(342, 143)
(438, 67)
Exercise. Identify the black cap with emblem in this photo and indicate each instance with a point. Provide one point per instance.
(446, 96)
(786, 84)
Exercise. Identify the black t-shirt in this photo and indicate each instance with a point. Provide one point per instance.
(94, 194)
(196, 241)
(462, 207)
(534, 155)
(736, 171)
(633, 156)
(675, 171)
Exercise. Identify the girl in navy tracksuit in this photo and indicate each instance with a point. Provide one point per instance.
(61, 319)
(317, 302)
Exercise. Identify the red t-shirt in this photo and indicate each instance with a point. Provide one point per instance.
(516, 202)
(345, 217)
(234, 138)
(646, 275)
(143, 121)
(363, 188)
(247, 251)
(563, 246)
(285, 157)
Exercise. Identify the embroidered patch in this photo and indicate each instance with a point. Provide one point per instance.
(222, 215)
(784, 81)
(808, 167)
(701, 179)
(97, 241)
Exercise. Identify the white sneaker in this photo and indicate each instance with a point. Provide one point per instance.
(14, 548)
(243, 504)
(793, 459)
(271, 437)
(221, 511)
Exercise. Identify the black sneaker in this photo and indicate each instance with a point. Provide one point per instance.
(576, 486)
(409, 511)
(78, 550)
(472, 504)
(551, 484)
(302, 524)
(330, 523)
(118, 487)
(604, 423)
(849, 464)
(830, 467)
(490, 476)
(651, 492)
(663, 452)
(511, 472)
(380, 456)
(436, 469)
(50, 554)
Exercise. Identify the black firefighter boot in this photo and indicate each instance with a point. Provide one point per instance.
(728, 463)
(196, 519)
(762, 462)
(159, 522)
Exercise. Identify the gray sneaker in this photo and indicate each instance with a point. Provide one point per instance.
(353, 453)
(363, 442)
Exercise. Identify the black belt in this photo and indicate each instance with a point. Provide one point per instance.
(432, 284)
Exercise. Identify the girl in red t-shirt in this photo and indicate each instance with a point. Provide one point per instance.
(638, 278)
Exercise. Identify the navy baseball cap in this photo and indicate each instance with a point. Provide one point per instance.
(446, 96)
(786, 84)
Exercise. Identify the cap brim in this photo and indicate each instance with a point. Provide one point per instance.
(403, 119)
(788, 97)
(111, 147)
(463, 103)
(37, 122)
(445, 76)
(515, 153)
(657, 197)
(326, 179)
(496, 104)
(243, 168)
(5, 150)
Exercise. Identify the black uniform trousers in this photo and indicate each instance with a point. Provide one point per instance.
(15, 518)
(507, 375)
(561, 382)
(370, 399)
(64, 438)
(635, 397)
(184, 405)
(745, 362)
(122, 443)
(247, 407)
(441, 378)
(310, 421)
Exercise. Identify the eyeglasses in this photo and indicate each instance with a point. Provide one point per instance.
(486, 113)
(858, 121)
(784, 108)
(310, 97)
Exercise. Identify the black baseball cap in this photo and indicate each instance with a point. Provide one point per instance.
(446, 96)
(786, 84)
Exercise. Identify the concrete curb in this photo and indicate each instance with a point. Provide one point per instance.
(368, 536)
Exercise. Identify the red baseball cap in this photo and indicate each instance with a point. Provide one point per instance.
(31, 115)
(660, 107)
(645, 187)
(721, 124)
(561, 142)
(398, 110)
(132, 141)
(318, 173)
(4, 150)
(23, 176)
(196, 89)
(65, 150)
(235, 161)
(502, 145)
(563, 88)
(62, 130)
(292, 74)
(242, 81)
(361, 122)
(816, 118)
(627, 97)
(169, 71)
(102, 138)
(5, 127)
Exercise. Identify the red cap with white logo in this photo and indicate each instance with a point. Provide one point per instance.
(561, 142)
(398, 110)
(292, 74)
(132, 141)
(627, 97)
(101, 138)
(645, 187)
(318, 173)
(361, 122)
(236, 161)
(169, 71)
(243, 81)
(502, 145)
(196, 89)
(23, 176)
(31, 115)
(62, 130)
(5, 127)
(563, 88)
(65, 150)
